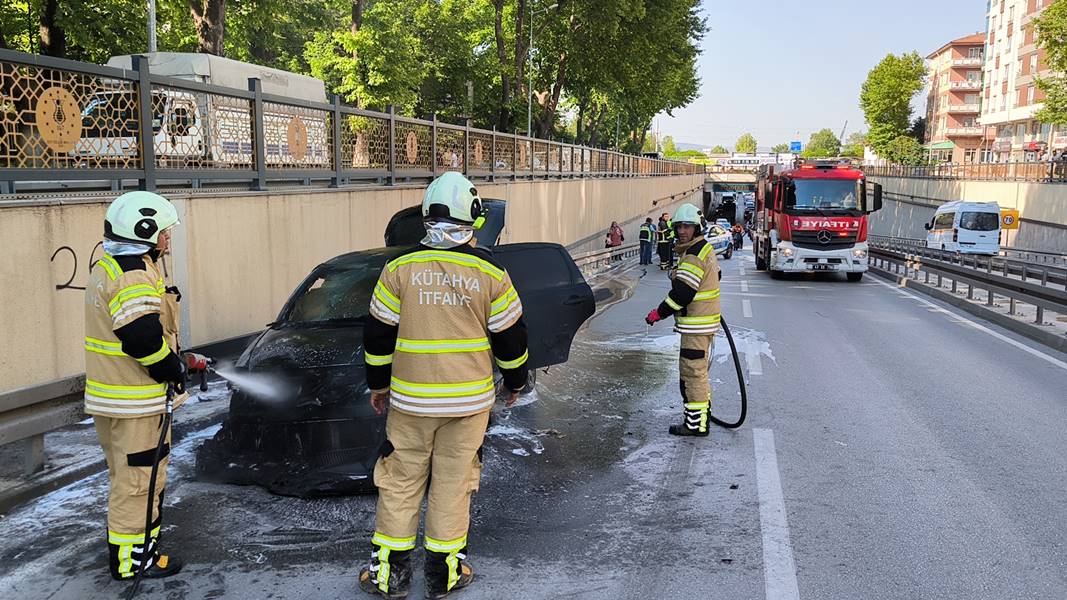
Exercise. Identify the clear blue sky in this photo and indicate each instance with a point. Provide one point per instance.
(772, 67)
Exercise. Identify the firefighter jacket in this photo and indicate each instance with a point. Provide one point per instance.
(131, 339)
(666, 231)
(647, 233)
(694, 295)
(439, 318)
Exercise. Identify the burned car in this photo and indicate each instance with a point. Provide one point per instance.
(300, 420)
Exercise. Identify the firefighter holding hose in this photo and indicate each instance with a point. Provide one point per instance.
(132, 364)
(694, 302)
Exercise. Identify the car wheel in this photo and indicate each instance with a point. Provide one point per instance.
(729, 253)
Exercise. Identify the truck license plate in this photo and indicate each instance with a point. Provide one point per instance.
(823, 267)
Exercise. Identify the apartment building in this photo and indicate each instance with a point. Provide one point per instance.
(1010, 94)
(953, 104)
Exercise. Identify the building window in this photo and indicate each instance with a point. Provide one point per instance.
(974, 53)
(1020, 131)
(1035, 127)
(969, 156)
(1033, 63)
(1030, 97)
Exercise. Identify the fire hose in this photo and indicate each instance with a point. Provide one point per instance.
(740, 384)
(147, 547)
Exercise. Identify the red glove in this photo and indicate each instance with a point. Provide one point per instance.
(653, 317)
(196, 362)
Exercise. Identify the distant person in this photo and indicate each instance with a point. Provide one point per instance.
(647, 238)
(614, 237)
(665, 242)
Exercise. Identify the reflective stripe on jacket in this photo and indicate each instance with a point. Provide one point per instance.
(695, 304)
(116, 384)
(445, 304)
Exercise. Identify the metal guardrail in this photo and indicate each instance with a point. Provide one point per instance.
(1039, 172)
(594, 260)
(63, 120)
(1047, 267)
(26, 414)
(1041, 292)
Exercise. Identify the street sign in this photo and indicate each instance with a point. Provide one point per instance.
(795, 147)
(1009, 218)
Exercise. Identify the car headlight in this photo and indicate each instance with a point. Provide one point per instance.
(787, 251)
(859, 253)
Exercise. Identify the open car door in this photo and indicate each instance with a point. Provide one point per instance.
(405, 228)
(556, 300)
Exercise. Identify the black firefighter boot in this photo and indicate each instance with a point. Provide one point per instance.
(447, 572)
(387, 576)
(125, 552)
(696, 420)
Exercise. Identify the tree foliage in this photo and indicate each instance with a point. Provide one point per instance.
(597, 67)
(904, 150)
(823, 144)
(746, 144)
(720, 149)
(886, 97)
(854, 145)
(780, 148)
(1052, 37)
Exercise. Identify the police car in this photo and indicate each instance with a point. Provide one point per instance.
(720, 239)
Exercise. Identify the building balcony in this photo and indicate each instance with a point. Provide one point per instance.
(966, 85)
(965, 131)
(964, 108)
(967, 62)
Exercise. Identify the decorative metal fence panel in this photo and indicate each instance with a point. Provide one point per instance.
(71, 121)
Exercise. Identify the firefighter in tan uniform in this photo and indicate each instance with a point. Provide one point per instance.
(441, 314)
(694, 302)
(131, 357)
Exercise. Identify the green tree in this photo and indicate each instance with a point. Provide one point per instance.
(854, 145)
(904, 150)
(1052, 37)
(823, 144)
(746, 144)
(886, 97)
(668, 145)
(720, 149)
(780, 148)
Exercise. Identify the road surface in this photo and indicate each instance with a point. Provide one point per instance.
(894, 449)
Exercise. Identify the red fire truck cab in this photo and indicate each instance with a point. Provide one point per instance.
(813, 218)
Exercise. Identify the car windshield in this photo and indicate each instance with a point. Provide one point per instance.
(980, 221)
(816, 194)
(335, 294)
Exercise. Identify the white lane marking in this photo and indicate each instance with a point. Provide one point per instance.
(746, 308)
(779, 568)
(963, 319)
(744, 286)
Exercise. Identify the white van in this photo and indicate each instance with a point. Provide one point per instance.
(965, 227)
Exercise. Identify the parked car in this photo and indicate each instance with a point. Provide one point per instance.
(965, 227)
(316, 433)
(724, 223)
(721, 240)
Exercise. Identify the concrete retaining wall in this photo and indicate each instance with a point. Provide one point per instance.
(912, 201)
(237, 257)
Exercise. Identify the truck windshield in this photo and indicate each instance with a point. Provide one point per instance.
(818, 194)
(980, 221)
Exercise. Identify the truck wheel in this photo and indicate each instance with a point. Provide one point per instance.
(854, 276)
(761, 262)
(776, 274)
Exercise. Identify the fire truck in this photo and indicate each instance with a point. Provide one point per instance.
(812, 217)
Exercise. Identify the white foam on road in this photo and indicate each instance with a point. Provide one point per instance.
(959, 318)
(779, 567)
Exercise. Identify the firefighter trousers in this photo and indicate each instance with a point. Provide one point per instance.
(129, 447)
(434, 457)
(693, 379)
